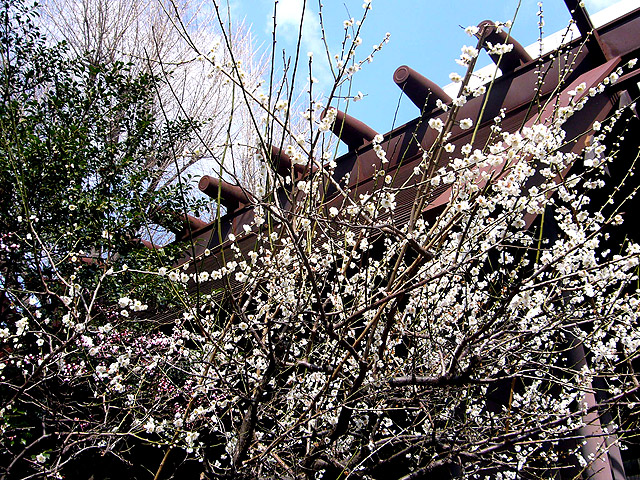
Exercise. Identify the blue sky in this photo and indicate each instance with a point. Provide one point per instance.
(426, 35)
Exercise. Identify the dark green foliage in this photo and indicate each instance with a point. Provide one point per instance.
(76, 144)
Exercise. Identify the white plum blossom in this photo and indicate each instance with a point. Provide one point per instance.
(466, 123)
(436, 124)
(499, 49)
(471, 30)
(459, 101)
(455, 77)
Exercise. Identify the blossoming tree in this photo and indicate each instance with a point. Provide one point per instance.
(455, 299)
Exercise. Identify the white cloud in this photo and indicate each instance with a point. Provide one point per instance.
(288, 16)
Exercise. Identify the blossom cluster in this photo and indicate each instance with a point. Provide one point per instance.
(474, 300)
